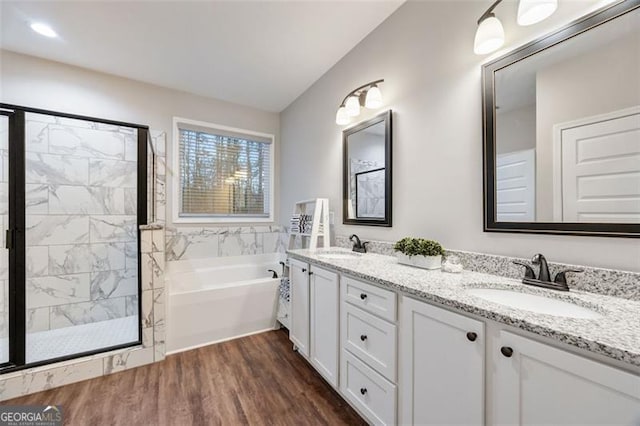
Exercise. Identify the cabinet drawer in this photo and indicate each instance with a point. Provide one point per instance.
(372, 299)
(371, 393)
(371, 339)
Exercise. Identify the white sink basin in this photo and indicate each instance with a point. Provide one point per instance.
(338, 256)
(534, 303)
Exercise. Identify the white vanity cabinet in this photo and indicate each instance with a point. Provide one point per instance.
(314, 328)
(324, 322)
(299, 294)
(442, 356)
(535, 383)
(399, 360)
(368, 373)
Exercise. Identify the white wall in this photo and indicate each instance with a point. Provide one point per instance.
(34, 82)
(424, 51)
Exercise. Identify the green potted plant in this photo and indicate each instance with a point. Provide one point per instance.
(419, 252)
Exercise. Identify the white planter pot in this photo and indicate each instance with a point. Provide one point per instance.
(424, 262)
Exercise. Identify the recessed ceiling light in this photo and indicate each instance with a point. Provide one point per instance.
(43, 29)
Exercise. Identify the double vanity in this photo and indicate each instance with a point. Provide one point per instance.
(410, 346)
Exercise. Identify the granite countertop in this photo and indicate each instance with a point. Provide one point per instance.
(616, 334)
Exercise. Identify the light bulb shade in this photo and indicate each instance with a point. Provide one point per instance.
(353, 106)
(533, 11)
(43, 29)
(374, 98)
(489, 36)
(342, 117)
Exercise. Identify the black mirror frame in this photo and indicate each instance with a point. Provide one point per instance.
(386, 221)
(631, 230)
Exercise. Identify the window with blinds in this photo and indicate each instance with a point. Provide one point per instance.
(224, 174)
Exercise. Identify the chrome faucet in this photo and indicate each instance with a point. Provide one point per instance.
(544, 277)
(358, 246)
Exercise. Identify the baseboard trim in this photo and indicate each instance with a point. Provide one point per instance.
(190, 348)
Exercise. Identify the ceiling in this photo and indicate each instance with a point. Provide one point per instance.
(262, 54)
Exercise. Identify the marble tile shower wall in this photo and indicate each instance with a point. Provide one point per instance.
(81, 236)
(159, 142)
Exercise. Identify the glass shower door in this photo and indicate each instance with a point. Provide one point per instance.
(81, 236)
(4, 253)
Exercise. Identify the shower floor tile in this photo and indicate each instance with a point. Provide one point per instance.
(65, 341)
(81, 338)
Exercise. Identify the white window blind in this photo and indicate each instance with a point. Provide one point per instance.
(224, 174)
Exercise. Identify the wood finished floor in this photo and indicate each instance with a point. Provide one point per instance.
(255, 380)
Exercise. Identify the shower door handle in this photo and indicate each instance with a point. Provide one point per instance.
(8, 239)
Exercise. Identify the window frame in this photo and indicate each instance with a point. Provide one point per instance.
(216, 219)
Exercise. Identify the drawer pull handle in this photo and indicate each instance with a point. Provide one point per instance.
(363, 390)
(506, 351)
(310, 273)
(363, 296)
(363, 337)
(472, 336)
(304, 269)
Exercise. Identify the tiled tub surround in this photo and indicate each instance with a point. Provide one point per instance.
(201, 242)
(615, 335)
(609, 282)
(81, 236)
(153, 335)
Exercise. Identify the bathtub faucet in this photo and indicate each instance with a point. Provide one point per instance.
(275, 274)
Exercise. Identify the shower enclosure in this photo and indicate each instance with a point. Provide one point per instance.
(72, 196)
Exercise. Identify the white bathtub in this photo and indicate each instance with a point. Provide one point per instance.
(217, 299)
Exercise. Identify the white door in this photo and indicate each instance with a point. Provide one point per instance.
(299, 292)
(516, 186)
(442, 366)
(539, 384)
(600, 171)
(325, 299)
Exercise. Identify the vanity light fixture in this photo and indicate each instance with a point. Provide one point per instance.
(533, 11)
(342, 117)
(374, 98)
(490, 33)
(367, 95)
(43, 29)
(353, 106)
(489, 36)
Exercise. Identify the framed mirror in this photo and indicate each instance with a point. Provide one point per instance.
(366, 189)
(561, 121)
